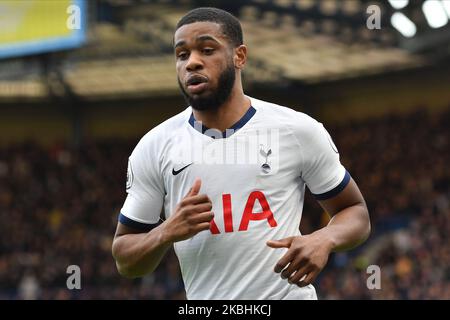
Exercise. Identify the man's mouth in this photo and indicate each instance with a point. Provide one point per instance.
(196, 84)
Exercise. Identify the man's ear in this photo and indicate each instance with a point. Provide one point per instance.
(240, 56)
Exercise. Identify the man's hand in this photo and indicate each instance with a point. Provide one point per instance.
(192, 215)
(306, 257)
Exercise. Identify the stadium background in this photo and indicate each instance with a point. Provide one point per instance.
(70, 115)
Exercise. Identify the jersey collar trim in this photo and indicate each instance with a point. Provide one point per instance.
(227, 133)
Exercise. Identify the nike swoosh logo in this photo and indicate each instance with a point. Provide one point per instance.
(175, 172)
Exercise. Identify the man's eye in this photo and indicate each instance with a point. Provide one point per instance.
(208, 51)
(182, 55)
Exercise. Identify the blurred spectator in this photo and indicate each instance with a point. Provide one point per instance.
(28, 287)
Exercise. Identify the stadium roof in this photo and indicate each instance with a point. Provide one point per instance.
(129, 51)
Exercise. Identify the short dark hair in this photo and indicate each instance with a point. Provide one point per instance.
(231, 27)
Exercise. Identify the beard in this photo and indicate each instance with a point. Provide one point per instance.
(214, 99)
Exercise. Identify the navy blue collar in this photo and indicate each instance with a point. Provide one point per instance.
(216, 134)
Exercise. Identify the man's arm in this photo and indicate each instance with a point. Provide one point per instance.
(308, 255)
(138, 254)
(350, 223)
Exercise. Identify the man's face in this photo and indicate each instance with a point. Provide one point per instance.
(204, 62)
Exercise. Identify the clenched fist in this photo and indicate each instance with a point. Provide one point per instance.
(192, 215)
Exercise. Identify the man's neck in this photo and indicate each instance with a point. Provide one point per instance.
(227, 114)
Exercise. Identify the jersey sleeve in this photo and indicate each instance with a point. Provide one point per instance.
(321, 169)
(145, 187)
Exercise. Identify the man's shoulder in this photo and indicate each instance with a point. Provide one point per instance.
(160, 134)
(285, 116)
(168, 127)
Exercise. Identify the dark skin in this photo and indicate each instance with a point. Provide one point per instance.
(308, 254)
(202, 49)
(138, 254)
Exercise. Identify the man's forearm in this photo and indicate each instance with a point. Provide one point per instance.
(348, 228)
(139, 254)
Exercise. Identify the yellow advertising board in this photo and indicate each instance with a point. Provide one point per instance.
(36, 26)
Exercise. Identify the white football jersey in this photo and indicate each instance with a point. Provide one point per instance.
(255, 176)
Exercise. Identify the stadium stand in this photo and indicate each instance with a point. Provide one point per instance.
(61, 205)
(133, 54)
(60, 197)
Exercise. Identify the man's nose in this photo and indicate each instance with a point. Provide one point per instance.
(194, 63)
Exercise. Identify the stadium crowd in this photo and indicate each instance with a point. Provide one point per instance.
(59, 207)
(401, 166)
